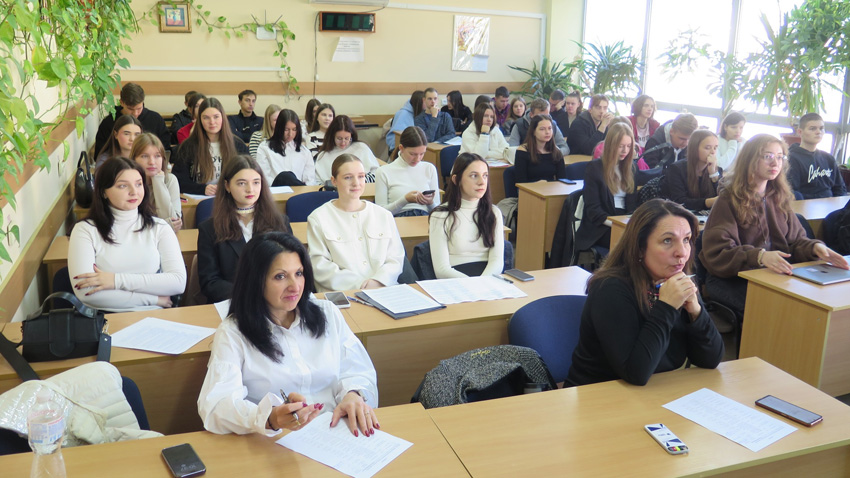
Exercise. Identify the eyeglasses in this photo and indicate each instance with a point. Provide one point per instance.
(770, 157)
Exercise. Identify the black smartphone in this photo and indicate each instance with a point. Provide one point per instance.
(183, 461)
(428, 192)
(519, 275)
(567, 181)
(789, 411)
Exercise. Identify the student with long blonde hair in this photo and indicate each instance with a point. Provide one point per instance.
(149, 153)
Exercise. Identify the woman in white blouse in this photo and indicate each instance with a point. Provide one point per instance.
(150, 154)
(354, 244)
(465, 232)
(122, 258)
(408, 186)
(484, 138)
(342, 139)
(285, 151)
(278, 340)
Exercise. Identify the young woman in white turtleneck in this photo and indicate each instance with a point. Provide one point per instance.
(465, 233)
(401, 185)
(484, 137)
(122, 258)
(354, 244)
(285, 151)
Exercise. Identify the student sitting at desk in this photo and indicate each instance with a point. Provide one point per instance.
(309, 114)
(265, 132)
(400, 185)
(437, 125)
(643, 314)
(484, 137)
(149, 153)
(459, 112)
(539, 159)
(322, 120)
(278, 340)
(693, 182)
(122, 258)
(354, 244)
(518, 108)
(341, 138)
(609, 188)
(209, 148)
(285, 152)
(752, 224)
(195, 101)
(127, 128)
(813, 173)
(243, 208)
(731, 139)
(465, 232)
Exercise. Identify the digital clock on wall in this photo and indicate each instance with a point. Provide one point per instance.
(347, 22)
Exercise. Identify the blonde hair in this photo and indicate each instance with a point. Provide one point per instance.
(740, 185)
(618, 174)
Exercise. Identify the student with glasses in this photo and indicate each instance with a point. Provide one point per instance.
(752, 224)
(342, 138)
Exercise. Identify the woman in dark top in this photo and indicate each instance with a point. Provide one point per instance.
(539, 159)
(460, 113)
(693, 183)
(243, 208)
(609, 188)
(643, 314)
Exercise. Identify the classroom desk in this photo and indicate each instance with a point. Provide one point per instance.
(404, 350)
(597, 430)
(254, 455)
(800, 327)
(815, 210)
(538, 212)
(432, 155)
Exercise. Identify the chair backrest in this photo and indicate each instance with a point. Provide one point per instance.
(551, 327)
(447, 159)
(203, 211)
(576, 170)
(509, 178)
(299, 207)
(193, 294)
(422, 261)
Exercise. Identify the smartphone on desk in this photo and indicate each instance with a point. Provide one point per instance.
(519, 275)
(339, 299)
(789, 411)
(567, 181)
(183, 461)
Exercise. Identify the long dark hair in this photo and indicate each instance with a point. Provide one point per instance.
(416, 102)
(340, 123)
(112, 148)
(455, 98)
(226, 220)
(484, 217)
(308, 113)
(204, 170)
(626, 259)
(531, 140)
(478, 116)
(276, 139)
(411, 137)
(314, 125)
(248, 305)
(100, 216)
(699, 184)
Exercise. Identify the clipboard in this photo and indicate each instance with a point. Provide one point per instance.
(365, 298)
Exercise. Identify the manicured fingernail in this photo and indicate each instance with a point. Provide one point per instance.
(371, 431)
(356, 434)
(378, 426)
(304, 403)
(320, 406)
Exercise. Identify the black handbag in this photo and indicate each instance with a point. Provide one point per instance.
(84, 182)
(65, 333)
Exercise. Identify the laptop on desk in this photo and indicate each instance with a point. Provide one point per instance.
(823, 274)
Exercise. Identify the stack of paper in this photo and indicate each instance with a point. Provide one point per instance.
(401, 299)
(470, 289)
(163, 336)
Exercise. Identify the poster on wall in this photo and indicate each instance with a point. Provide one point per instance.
(471, 45)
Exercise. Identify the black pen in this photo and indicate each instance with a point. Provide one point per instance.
(284, 396)
(502, 278)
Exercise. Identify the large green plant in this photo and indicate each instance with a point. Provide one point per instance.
(547, 78)
(75, 47)
(613, 70)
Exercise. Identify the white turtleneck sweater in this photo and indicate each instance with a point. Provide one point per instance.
(147, 264)
(299, 162)
(398, 178)
(325, 159)
(464, 245)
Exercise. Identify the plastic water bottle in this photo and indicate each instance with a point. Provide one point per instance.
(45, 428)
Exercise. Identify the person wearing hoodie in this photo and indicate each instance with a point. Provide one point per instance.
(537, 107)
(404, 117)
(675, 134)
(589, 127)
(813, 173)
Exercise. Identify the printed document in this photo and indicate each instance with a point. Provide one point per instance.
(400, 299)
(163, 336)
(470, 289)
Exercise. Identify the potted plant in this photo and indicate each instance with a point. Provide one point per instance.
(547, 78)
(613, 70)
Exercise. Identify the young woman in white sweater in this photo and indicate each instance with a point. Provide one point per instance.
(354, 244)
(465, 232)
(165, 199)
(484, 138)
(401, 185)
(731, 139)
(341, 138)
(122, 258)
(285, 151)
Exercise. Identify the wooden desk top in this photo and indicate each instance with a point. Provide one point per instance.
(832, 297)
(436, 147)
(577, 158)
(818, 208)
(549, 188)
(254, 455)
(368, 194)
(597, 430)
(562, 281)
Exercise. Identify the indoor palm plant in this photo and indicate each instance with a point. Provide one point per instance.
(547, 78)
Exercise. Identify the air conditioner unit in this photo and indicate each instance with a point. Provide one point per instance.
(365, 3)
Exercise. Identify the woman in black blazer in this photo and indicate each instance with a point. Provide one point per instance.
(604, 178)
(243, 207)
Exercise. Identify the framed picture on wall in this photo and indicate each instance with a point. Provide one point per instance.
(174, 17)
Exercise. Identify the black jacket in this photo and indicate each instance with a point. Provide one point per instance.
(244, 127)
(598, 205)
(562, 119)
(665, 155)
(151, 121)
(584, 134)
(184, 166)
(674, 186)
(814, 174)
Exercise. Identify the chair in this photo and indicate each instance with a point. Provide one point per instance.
(62, 283)
(551, 327)
(447, 161)
(563, 251)
(299, 207)
(203, 211)
(806, 226)
(408, 275)
(575, 171)
(509, 178)
(193, 294)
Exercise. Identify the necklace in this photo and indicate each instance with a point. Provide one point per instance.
(245, 211)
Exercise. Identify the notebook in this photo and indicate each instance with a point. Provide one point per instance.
(823, 274)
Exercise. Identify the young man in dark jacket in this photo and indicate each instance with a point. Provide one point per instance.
(132, 102)
(670, 141)
(246, 122)
(813, 173)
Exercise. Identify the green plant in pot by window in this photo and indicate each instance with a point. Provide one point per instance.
(547, 78)
(612, 70)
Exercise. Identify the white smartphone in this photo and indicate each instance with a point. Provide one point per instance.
(666, 439)
(339, 299)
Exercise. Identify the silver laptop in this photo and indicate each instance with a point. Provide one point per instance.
(823, 274)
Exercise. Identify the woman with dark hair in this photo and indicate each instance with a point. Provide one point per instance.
(269, 122)
(539, 159)
(285, 151)
(209, 148)
(126, 129)
(484, 137)
(693, 183)
(642, 119)
(517, 111)
(731, 139)
(342, 139)
(277, 337)
(354, 244)
(149, 153)
(318, 128)
(609, 188)
(465, 232)
(400, 186)
(122, 258)
(195, 102)
(243, 207)
(309, 115)
(752, 224)
(460, 113)
(643, 313)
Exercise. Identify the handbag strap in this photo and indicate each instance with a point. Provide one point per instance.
(79, 306)
(18, 363)
(84, 159)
